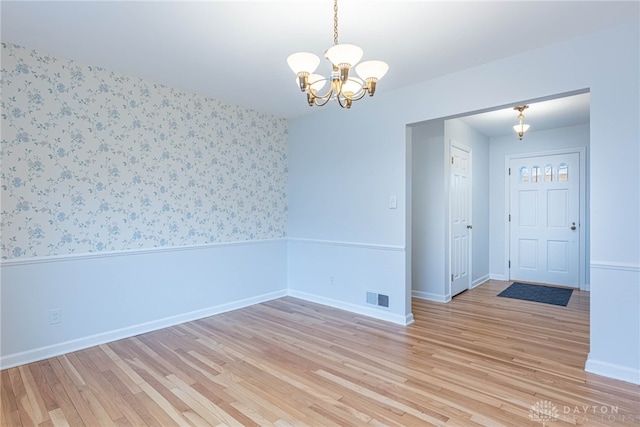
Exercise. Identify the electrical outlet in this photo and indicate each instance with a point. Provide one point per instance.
(393, 202)
(55, 316)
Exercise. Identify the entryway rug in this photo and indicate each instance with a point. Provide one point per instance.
(538, 293)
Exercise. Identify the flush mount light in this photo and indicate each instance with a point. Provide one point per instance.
(343, 87)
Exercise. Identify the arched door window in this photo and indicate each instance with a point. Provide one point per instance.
(535, 174)
(563, 172)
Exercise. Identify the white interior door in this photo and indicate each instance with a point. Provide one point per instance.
(460, 218)
(544, 219)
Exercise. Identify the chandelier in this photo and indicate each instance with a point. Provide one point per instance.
(343, 87)
(521, 128)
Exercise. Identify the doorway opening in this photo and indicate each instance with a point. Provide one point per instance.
(558, 123)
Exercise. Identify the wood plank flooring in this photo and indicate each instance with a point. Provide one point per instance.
(479, 360)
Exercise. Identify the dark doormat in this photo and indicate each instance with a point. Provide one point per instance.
(538, 293)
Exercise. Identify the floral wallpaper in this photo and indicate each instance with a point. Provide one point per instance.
(93, 160)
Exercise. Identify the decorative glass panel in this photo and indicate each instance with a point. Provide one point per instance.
(524, 174)
(548, 173)
(535, 174)
(563, 172)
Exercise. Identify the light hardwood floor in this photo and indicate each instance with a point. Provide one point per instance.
(479, 360)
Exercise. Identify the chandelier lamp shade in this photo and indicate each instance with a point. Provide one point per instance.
(521, 127)
(344, 87)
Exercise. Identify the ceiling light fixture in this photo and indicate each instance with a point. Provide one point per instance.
(521, 128)
(342, 87)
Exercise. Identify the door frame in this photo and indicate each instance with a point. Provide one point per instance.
(465, 148)
(582, 256)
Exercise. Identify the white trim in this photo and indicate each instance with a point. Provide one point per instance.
(582, 256)
(479, 281)
(500, 277)
(429, 296)
(460, 146)
(143, 251)
(360, 245)
(546, 153)
(354, 308)
(619, 266)
(408, 228)
(610, 370)
(17, 359)
(128, 252)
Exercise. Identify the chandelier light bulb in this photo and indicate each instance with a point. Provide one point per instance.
(316, 82)
(372, 70)
(352, 87)
(303, 62)
(521, 129)
(344, 55)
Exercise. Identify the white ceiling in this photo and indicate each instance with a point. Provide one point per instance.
(548, 114)
(236, 51)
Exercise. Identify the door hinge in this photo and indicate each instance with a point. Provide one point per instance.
(452, 277)
(509, 217)
(509, 171)
(509, 263)
(451, 159)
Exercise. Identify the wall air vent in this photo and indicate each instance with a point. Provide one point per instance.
(383, 300)
(377, 299)
(372, 298)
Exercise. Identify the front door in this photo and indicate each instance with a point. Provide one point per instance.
(544, 219)
(460, 218)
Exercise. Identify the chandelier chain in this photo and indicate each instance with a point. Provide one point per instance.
(335, 22)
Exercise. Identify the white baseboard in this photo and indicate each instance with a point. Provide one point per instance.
(479, 281)
(431, 296)
(354, 308)
(500, 277)
(610, 370)
(17, 359)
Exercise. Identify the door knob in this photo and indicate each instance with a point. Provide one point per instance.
(469, 226)
(573, 226)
